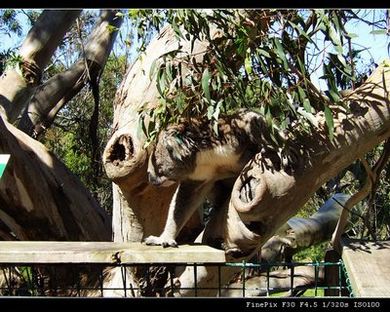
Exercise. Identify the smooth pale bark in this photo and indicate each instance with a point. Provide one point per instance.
(125, 157)
(248, 221)
(278, 281)
(51, 96)
(41, 199)
(243, 226)
(18, 84)
(278, 195)
(299, 233)
(139, 209)
(368, 187)
(296, 234)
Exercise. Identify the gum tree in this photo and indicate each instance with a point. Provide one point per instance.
(201, 63)
(205, 63)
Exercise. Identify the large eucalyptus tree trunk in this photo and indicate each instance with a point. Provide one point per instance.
(263, 199)
(246, 223)
(139, 208)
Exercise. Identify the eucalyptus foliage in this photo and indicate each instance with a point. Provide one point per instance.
(258, 59)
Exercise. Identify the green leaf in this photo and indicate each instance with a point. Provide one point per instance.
(264, 53)
(334, 95)
(302, 95)
(341, 59)
(205, 84)
(141, 128)
(248, 65)
(378, 32)
(210, 112)
(161, 81)
(301, 66)
(168, 70)
(217, 110)
(335, 39)
(352, 35)
(329, 121)
(281, 53)
(133, 13)
(176, 29)
(152, 69)
(307, 106)
(307, 116)
(111, 29)
(300, 31)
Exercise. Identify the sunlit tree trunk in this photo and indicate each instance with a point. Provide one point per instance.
(245, 224)
(51, 96)
(17, 84)
(263, 199)
(139, 209)
(40, 199)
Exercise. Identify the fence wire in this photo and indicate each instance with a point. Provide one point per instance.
(312, 279)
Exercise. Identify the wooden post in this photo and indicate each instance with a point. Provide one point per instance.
(332, 273)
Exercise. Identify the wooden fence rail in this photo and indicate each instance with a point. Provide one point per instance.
(19, 252)
(368, 266)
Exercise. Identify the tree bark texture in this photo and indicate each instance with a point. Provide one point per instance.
(40, 199)
(296, 234)
(51, 96)
(300, 233)
(247, 221)
(125, 158)
(18, 84)
(263, 198)
(276, 195)
(139, 208)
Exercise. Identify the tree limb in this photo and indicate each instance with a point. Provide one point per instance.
(41, 199)
(17, 86)
(61, 88)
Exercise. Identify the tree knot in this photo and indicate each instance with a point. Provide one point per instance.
(31, 72)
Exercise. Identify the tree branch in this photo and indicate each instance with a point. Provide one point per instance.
(18, 84)
(41, 199)
(61, 88)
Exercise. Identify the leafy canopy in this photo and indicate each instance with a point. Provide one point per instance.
(259, 59)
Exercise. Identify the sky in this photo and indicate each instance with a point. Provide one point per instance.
(377, 45)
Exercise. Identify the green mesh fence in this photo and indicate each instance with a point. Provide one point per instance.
(307, 279)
